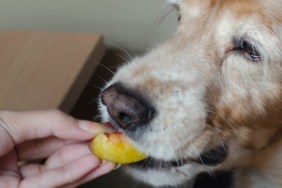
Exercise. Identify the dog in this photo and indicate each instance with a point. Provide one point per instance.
(208, 99)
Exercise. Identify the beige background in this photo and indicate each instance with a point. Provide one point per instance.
(132, 24)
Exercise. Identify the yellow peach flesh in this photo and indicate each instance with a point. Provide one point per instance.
(116, 148)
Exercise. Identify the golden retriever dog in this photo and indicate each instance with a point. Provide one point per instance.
(209, 98)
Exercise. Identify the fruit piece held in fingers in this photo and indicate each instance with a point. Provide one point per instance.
(116, 147)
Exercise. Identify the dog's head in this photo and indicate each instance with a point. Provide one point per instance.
(208, 98)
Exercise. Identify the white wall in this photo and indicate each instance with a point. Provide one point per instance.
(132, 24)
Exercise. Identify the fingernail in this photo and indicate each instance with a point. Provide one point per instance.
(94, 128)
(117, 166)
(104, 162)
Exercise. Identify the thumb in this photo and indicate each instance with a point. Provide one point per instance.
(17, 127)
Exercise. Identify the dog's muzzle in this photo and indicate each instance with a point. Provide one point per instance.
(129, 110)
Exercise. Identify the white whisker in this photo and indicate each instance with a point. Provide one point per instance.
(96, 86)
(105, 81)
(200, 158)
(121, 49)
(100, 64)
(123, 57)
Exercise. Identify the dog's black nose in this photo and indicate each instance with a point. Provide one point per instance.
(126, 107)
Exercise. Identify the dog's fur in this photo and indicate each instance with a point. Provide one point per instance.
(217, 81)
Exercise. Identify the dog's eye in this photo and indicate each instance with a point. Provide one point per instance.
(248, 50)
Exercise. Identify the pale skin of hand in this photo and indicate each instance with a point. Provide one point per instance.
(54, 136)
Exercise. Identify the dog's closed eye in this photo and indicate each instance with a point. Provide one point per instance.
(248, 50)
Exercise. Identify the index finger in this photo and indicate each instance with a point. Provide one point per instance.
(22, 126)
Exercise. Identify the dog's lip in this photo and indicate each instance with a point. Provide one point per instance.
(151, 162)
(212, 157)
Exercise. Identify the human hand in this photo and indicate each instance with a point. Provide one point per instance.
(53, 135)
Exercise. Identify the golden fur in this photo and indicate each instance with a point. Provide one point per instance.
(208, 91)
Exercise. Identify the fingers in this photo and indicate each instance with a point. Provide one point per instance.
(40, 124)
(71, 166)
(16, 127)
(40, 148)
(8, 162)
(8, 181)
(101, 170)
(39, 134)
(71, 172)
(29, 170)
(69, 154)
(9, 176)
(64, 156)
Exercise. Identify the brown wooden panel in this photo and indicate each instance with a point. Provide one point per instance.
(43, 70)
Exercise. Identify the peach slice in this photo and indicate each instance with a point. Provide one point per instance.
(116, 148)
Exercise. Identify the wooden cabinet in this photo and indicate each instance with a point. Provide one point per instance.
(44, 70)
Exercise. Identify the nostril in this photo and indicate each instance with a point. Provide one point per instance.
(124, 120)
(124, 117)
(127, 108)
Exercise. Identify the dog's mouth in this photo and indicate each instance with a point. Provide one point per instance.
(212, 157)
